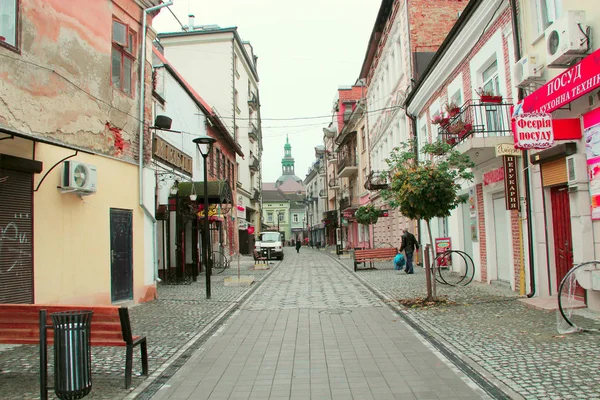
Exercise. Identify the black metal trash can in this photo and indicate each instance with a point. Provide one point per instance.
(72, 354)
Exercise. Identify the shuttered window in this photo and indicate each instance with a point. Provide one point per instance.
(554, 172)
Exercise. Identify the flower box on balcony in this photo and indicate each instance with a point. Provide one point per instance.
(465, 132)
(491, 99)
(444, 122)
(452, 112)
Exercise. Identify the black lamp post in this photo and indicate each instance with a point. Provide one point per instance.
(204, 144)
(179, 262)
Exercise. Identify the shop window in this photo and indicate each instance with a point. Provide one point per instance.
(9, 17)
(123, 56)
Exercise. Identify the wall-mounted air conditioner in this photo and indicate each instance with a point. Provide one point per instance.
(566, 39)
(526, 70)
(79, 177)
(577, 172)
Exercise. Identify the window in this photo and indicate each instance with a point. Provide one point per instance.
(281, 215)
(363, 141)
(270, 217)
(295, 218)
(8, 22)
(235, 65)
(491, 80)
(456, 98)
(235, 100)
(123, 50)
(218, 156)
(546, 12)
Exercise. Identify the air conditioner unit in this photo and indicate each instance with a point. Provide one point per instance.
(79, 177)
(526, 71)
(577, 171)
(566, 39)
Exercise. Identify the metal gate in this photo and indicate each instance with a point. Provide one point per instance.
(563, 245)
(16, 237)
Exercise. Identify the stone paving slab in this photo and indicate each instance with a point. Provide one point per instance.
(312, 331)
(517, 345)
(179, 314)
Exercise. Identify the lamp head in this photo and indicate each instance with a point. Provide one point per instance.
(204, 144)
(162, 122)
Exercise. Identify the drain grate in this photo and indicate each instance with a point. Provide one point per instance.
(336, 311)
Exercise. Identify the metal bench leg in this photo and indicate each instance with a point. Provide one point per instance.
(144, 350)
(128, 365)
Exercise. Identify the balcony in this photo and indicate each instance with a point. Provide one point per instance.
(347, 163)
(253, 132)
(254, 163)
(377, 180)
(345, 202)
(477, 129)
(255, 194)
(334, 183)
(322, 193)
(253, 101)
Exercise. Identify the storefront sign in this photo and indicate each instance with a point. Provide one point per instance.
(566, 87)
(172, 156)
(591, 123)
(533, 131)
(493, 176)
(213, 210)
(507, 149)
(242, 224)
(511, 185)
(442, 245)
(473, 213)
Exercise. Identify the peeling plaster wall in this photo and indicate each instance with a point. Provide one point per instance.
(59, 85)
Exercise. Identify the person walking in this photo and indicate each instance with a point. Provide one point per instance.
(409, 245)
(298, 245)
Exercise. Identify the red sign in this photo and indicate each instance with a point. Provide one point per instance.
(578, 80)
(250, 230)
(493, 176)
(442, 245)
(533, 131)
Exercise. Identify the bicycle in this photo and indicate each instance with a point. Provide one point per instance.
(218, 261)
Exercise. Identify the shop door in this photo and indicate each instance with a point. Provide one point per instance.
(502, 245)
(121, 251)
(16, 237)
(561, 224)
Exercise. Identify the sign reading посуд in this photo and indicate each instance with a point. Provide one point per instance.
(533, 131)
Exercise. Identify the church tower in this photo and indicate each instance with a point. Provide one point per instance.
(287, 162)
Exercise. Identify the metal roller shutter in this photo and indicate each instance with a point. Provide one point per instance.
(554, 172)
(16, 237)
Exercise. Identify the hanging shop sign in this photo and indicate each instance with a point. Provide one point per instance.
(576, 81)
(473, 213)
(507, 149)
(511, 186)
(172, 156)
(591, 123)
(242, 224)
(442, 245)
(533, 131)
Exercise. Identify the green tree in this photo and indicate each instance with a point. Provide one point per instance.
(427, 188)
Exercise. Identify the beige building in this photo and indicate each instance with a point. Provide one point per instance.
(71, 227)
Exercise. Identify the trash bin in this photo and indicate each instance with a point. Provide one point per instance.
(72, 354)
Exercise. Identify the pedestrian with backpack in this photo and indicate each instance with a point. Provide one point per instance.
(409, 246)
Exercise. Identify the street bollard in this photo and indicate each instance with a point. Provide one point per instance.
(426, 256)
(72, 354)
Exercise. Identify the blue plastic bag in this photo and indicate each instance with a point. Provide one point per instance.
(399, 261)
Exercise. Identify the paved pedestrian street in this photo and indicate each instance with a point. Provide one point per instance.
(313, 331)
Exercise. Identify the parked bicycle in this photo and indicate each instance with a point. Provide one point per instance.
(218, 261)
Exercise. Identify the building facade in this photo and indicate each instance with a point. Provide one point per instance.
(75, 226)
(230, 85)
(315, 198)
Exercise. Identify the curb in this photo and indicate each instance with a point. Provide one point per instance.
(476, 374)
(162, 374)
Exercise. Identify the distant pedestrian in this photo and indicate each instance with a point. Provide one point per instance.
(298, 245)
(409, 246)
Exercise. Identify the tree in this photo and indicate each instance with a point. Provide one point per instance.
(427, 188)
(367, 215)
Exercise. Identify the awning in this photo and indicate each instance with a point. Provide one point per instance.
(218, 191)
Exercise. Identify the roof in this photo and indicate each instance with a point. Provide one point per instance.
(273, 196)
(211, 31)
(382, 16)
(210, 114)
(292, 186)
(444, 47)
(268, 186)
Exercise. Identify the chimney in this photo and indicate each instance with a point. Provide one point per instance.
(191, 22)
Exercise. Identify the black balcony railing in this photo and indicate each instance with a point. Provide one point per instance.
(377, 180)
(254, 163)
(477, 119)
(345, 202)
(346, 159)
(253, 132)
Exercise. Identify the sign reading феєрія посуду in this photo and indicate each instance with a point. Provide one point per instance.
(533, 131)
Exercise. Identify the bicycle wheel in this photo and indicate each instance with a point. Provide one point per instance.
(218, 262)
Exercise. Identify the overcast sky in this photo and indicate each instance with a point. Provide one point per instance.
(306, 50)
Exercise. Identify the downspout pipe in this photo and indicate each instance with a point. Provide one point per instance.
(142, 74)
(526, 176)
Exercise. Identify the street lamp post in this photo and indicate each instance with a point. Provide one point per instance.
(204, 144)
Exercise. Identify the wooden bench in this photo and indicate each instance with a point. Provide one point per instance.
(258, 258)
(372, 255)
(20, 324)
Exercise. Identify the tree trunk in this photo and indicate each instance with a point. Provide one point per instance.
(428, 271)
(431, 274)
